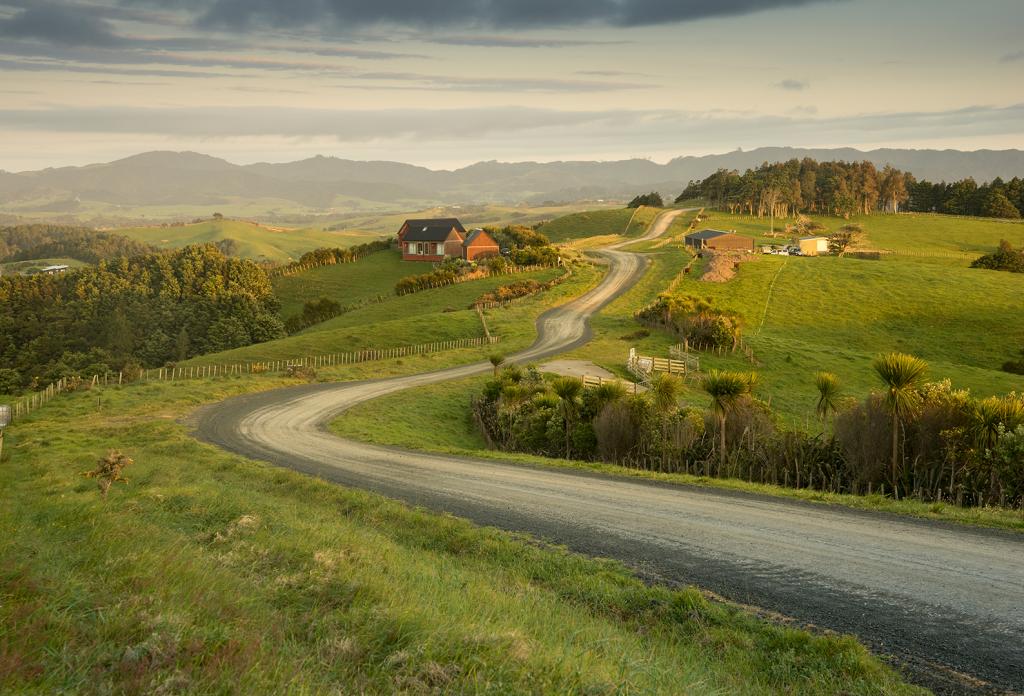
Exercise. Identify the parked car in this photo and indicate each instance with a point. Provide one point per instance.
(793, 251)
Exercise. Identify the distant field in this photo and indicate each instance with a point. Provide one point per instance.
(253, 241)
(470, 216)
(347, 283)
(628, 222)
(22, 266)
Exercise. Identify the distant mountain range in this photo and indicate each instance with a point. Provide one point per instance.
(186, 179)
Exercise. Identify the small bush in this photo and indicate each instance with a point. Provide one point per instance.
(301, 372)
(109, 470)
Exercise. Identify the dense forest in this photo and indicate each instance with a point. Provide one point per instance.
(784, 189)
(146, 310)
(41, 241)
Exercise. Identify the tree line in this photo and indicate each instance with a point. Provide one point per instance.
(784, 189)
(40, 241)
(142, 311)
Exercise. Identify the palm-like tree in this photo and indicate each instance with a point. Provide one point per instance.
(608, 393)
(665, 391)
(497, 360)
(828, 394)
(902, 375)
(568, 389)
(726, 389)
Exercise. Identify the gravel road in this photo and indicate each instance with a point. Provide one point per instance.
(944, 600)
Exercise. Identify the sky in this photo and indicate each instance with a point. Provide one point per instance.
(446, 83)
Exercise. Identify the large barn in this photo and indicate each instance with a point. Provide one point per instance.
(438, 239)
(719, 240)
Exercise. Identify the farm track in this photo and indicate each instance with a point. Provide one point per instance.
(943, 600)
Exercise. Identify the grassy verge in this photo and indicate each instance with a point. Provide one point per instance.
(438, 421)
(211, 573)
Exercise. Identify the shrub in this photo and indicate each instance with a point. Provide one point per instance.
(301, 372)
(1005, 258)
(693, 319)
(109, 470)
(504, 293)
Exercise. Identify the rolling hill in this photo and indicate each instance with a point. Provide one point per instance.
(167, 184)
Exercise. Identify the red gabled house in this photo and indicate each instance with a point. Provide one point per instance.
(431, 240)
(441, 238)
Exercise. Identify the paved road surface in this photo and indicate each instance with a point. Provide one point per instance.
(939, 597)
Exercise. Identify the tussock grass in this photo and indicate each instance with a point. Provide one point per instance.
(210, 573)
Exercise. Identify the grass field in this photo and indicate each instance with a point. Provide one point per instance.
(347, 283)
(837, 314)
(628, 222)
(21, 266)
(211, 573)
(440, 314)
(253, 241)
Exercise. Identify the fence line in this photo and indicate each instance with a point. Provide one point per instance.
(494, 304)
(478, 274)
(289, 270)
(32, 402)
(590, 381)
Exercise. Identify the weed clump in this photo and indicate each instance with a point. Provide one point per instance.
(109, 469)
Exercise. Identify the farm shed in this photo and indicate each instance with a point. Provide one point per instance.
(813, 246)
(719, 240)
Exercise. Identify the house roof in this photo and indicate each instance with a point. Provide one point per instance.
(430, 231)
(59, 267)
(706, 234)
(474, 234)
(811, 239)
(430, 222)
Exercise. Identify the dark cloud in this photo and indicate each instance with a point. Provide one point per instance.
(62, 24)
(345, 15)
(1014, 57)
(792, 85)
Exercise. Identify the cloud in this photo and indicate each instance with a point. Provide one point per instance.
(1014, 57)
(643, 127)
(501, 14)
(491, 41)
(61, 24)
(792, 85)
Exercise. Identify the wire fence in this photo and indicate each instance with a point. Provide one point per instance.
(31, 403)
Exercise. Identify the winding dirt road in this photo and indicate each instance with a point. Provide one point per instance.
(940, 598)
